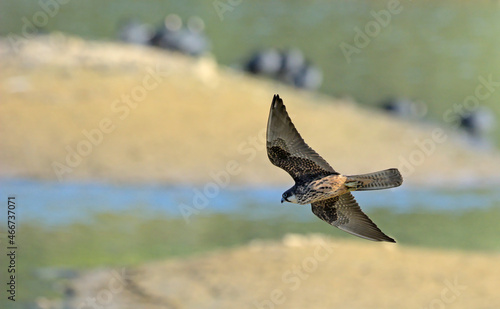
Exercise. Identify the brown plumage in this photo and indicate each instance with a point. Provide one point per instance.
(316, 182)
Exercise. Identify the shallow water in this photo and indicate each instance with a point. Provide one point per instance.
(53, 203)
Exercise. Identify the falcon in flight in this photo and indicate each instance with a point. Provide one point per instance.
(317, 183)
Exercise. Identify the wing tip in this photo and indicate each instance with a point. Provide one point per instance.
(389, 239)
(276, 100)
(381, 236)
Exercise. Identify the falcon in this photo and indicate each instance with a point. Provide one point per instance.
(318, 184)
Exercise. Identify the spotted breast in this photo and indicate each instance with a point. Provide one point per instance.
(322, 189)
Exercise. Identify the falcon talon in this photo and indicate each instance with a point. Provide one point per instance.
(318, 184)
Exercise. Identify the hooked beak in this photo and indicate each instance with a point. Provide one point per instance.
(282, 200)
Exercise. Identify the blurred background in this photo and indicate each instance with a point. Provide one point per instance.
(133, 138)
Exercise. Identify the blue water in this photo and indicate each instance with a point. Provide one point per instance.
(63, 203)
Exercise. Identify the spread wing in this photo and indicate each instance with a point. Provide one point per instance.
(344, 212)
(286, 148)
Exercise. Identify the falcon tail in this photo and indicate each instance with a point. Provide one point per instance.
(375, 181)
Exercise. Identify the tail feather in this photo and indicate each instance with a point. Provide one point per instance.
(385, 179)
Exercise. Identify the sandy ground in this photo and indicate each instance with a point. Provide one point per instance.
(77, 110)
(300, 272)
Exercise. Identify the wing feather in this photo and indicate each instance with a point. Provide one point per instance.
(286, 148)
(344, 212)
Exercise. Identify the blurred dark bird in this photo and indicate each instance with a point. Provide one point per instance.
(478, 123)
(265, 62)
(166, 35)
(308, 77)
(316, 182)
(134, 32)
(190, 40)
(292, 62)
(404, 108)
(289, 66)
(193, 40)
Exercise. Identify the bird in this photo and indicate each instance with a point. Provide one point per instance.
(265, 62)
(134, 32)
(309, 77)
(318, 184)
(190, 40)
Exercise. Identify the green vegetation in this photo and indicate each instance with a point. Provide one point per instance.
(130, 239)
(120, 239)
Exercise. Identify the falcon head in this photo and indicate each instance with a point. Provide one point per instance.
(289, 196)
